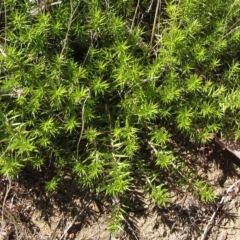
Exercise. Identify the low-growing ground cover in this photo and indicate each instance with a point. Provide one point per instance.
(97, 92)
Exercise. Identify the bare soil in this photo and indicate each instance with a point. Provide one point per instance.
(31, 213)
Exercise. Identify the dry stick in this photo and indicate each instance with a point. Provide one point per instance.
(83, 122)
(219, 205)
(73, 221)
(8, 214)
(68, 29)
(55, 230)
(230, 32)
(154, 23)
(226, 19)
(5, 30)
(2, 51)
(151, 4)
(5, 20)
(5, 198)
(110, 129)
(87, 54)
(69, 26)
(135, 14)
(42, 6)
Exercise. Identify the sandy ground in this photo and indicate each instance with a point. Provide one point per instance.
(71, 214)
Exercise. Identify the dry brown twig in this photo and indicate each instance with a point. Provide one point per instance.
(71, 19)
(2, 51)
(6, 213)
(135, 14)
(210, 222)
(53, 235)
(155, 21)
(41, 6)
(83, 122)
(74, 219)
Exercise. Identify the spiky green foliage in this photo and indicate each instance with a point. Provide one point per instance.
(95, 88)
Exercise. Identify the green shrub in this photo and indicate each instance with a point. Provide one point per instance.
(95, 88)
